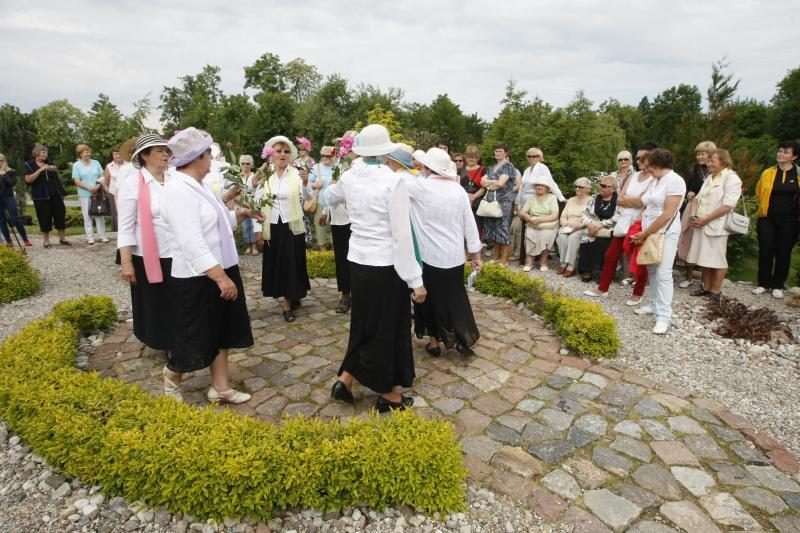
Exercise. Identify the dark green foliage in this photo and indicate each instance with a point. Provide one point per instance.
(17, 278)
(89, 313)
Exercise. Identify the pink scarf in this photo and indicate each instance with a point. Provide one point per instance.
(150, 255)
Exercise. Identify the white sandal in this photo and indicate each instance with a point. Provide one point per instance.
(228, 396)
(170, 388)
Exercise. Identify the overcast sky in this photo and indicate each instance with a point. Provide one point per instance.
(55, 49)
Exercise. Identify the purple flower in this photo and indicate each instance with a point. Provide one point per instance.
(345, 145)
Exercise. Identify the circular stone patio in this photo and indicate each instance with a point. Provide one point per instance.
(578, 442)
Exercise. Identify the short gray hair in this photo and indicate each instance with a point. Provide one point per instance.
(37, 148)
(244, 158)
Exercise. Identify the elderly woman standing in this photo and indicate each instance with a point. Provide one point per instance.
(207, 292)
(471, 182)
(9, 216)
(443, 222)
(540, 214)
(718, 196)
(145, 243)
(694, 182)
(284, 273)
(624, 168)
(47, 194)
(572, 227)
(88, 177)
(499, 184)
(250, 178)
(319, 180)
(630, 199)
(383, 270)
(600, 216)
(777, 192)
(662, 203)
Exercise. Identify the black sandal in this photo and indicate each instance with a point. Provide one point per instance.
(288, 315)
(47, 245)
(344, 304)
(435, 352)
(701, 292)
(65, 243)
(384, 406)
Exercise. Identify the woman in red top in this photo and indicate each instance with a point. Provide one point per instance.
(472, 181)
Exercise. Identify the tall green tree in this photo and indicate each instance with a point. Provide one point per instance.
(17, 135)
(786, 107)
(722, 89)
(301, 79)
(327, 113)
(676, 121)
(59, 126)
(629, 118)
(266, 75)
(194, 102)
(104, 127)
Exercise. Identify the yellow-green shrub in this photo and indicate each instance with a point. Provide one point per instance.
(320, 265)
(582, 326)
(205, 462)
(17, 278)
(88, 313)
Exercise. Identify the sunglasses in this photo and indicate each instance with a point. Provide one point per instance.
(283, 151)
(245, 163)
(605, 186)
(532, 156)
(580, 187)
(459, 160)
(623, 159)
(641, 158)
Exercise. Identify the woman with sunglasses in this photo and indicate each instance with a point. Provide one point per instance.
(537, 171)
(624, 168)
(283, 233)
(572, 227)
(601, 215)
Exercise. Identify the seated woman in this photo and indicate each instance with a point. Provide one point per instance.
(571, 231)
(540, 215)
(717, 197)
(599, 217)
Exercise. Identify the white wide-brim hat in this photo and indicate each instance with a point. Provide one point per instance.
(373, 140)
(439, 162)
(419, 155)
(540, 180)
(282, 139)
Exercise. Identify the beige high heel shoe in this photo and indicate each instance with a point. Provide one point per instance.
(170, 388)
(228, 396)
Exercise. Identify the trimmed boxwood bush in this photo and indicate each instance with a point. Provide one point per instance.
(17, 278)
(320, 264)
(206, 462)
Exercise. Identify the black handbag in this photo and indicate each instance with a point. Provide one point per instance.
(99, 205)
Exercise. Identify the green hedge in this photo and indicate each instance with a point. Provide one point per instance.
(17, 278)
(583, 326)
(206, 462)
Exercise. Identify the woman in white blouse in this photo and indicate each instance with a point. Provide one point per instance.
(145, 244)
(443, 221)
(661, 203)
(383, 270)
(206, 286)
(283, 234)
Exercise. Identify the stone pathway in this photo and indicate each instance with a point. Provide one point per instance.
(579, 443)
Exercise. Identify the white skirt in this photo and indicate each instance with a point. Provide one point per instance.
(706, 251)
(539, 240)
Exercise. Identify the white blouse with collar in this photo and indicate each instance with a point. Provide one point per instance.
(130, 230)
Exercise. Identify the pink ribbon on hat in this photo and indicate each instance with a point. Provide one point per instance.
(149, 244)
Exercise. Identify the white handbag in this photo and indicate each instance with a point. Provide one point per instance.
(489, 208)
(736, 224)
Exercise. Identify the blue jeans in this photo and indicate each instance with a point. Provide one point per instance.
(248, 235)
(9, 214)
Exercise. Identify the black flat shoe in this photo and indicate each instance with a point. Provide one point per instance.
(339, 392)
(288, 316)
(465, 351)
(344, 304)
(384, 406)
(701, 292)
(435, 352)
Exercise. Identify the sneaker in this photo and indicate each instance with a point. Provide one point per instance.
(685, 284)
(759, 290)
(104, 240)
(544, 268)
(90, 241)
(527, 268)
(777, 293)
(645, 310)
(594, 294)
(633, 301)
(660, 328)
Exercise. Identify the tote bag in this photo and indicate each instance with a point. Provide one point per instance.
(490, 208)
(736, 224)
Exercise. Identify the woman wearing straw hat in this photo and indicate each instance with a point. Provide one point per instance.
(443, 222)
(383, 270)
(283, 233)
(540, 215)
(206, 287)
(145, 244)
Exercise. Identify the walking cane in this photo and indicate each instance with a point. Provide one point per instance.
(11, 227)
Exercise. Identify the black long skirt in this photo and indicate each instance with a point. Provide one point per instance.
(591, 255)
(284, 270)
(205, 323)
(341, 246)
(379, 353)
(153, 312)
(446, 314)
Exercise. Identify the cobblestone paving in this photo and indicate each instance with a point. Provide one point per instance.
(580, 443)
